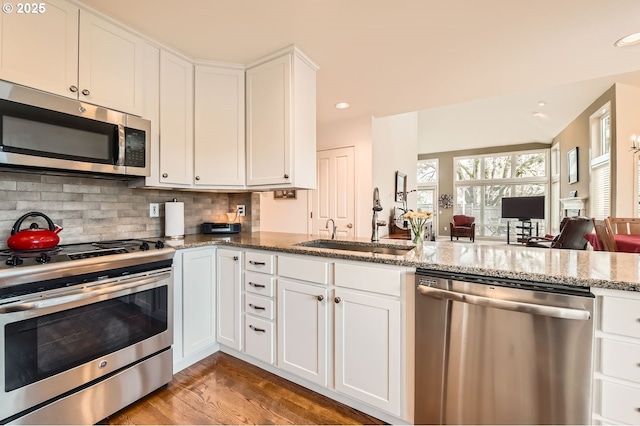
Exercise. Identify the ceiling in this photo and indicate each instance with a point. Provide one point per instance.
(477, 67)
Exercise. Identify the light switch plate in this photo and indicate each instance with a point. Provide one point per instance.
(154, 210)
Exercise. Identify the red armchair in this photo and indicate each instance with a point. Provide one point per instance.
(463, 226)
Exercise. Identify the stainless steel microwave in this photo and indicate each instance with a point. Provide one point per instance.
(40, 130)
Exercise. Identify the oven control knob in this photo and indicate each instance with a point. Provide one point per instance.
(159, 244)
(144, 246)
(14, 261)
(43, 258)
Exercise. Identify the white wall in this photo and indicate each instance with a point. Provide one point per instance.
(284, 215)
(395, 148)
(627, 118)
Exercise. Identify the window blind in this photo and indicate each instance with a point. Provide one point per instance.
(600, 199)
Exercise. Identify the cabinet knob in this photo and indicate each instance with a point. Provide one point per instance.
(235, 257)
(73, 89)
(286, 176)
(320, 298)
(164, 175)
(337, 300)
(349, 225)
(197, 177)
(86, 92)
(82, 109)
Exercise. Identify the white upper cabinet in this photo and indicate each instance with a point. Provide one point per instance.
(110, 65)
(281, 121)
(176, 121)
(219, 159)
(40, 50)
(85, 58)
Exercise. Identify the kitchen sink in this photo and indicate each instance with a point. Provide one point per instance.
(361, 247)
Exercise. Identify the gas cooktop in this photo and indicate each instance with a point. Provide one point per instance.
(63, 262)
(63, 253)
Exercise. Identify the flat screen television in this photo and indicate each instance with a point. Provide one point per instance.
(523, 208)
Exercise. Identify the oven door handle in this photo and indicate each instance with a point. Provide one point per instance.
(85, 293)
(509, 305)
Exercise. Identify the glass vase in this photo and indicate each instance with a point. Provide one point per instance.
(417, 235)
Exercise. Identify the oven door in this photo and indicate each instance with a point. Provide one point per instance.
(54, 343)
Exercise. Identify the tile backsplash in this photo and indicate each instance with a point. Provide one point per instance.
(93, 209)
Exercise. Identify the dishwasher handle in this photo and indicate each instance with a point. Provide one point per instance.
(509, 305)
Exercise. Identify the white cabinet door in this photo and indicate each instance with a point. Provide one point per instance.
(198, 299)
(41, 50)
(268, 122)
(176, 120)
(367, 347)
(219, 127)
(302, 330)
(281, 121)
(111, 65)
(229, 300)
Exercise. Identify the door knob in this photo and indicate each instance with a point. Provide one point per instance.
(349, 225)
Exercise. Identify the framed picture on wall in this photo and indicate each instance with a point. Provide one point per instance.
(572, 158)
(401, 187)
(287, 194)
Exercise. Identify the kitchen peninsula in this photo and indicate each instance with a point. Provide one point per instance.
(312, 315)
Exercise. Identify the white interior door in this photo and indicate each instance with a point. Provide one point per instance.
(334, 197)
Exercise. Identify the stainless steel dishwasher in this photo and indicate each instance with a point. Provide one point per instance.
(499, 351)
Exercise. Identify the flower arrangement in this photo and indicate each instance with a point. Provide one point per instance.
(417, 220)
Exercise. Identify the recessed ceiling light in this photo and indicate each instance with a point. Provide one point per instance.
(629, 40)
(539, 114)
(342, 105)
(541, 103)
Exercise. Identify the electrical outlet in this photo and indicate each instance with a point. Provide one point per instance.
(240, 210)
(445, 228)
(154, 210)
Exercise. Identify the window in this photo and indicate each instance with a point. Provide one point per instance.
(554, 195)
(600, 190)
(482, 181)
(428, 186)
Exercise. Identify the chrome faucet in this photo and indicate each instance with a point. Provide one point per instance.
(334, 228)
(375, 223)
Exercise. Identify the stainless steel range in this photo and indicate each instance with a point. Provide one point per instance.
(86, 329)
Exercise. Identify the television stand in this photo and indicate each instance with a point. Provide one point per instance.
(524, 230)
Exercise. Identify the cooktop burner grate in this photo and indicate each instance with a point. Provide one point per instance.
(29, 253)
(116, 244)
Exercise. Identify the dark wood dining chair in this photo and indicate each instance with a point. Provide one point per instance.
(605, 237)
(571, 236)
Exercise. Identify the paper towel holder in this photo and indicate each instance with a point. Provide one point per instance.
(174, 225)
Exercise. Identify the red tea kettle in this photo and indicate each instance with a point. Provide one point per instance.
(34, 238)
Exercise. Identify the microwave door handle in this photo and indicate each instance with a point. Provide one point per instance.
(120, 154)
(84, 294)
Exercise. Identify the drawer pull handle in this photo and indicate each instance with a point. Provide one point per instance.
(257, 263)
(257, 308)
(256, 285)
(260, 330)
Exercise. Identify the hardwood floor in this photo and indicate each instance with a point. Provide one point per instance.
(222, 389)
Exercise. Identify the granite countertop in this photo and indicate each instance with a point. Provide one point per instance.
(620, 271)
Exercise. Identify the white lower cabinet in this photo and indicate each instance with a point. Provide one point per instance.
(194, 305)
(367, 347)
(302, 330)
(229, 288)
(616, 392)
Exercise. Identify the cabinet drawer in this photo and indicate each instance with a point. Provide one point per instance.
(621, 316)
(259, 339)
(258, 262)
(621, 360)
(257, 305)
(316, 271)
(259, 283)
(367, 278)
(620, 403)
